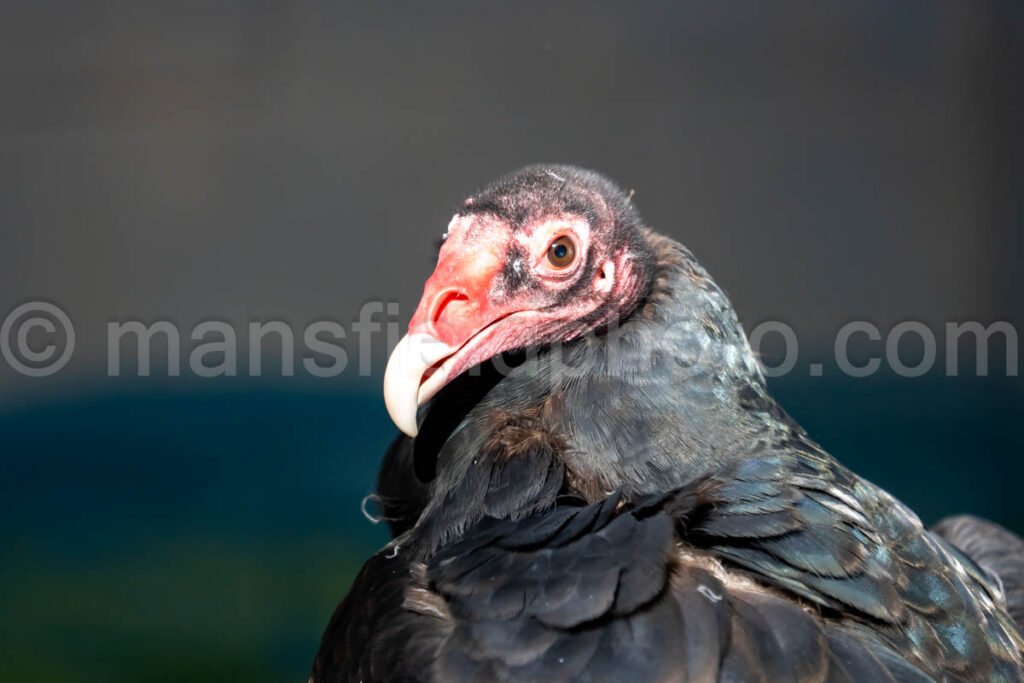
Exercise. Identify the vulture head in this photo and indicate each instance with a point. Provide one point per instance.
(616, 343)
(544, 255)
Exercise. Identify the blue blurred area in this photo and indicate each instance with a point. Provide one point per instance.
(189, 535)
(206, 534)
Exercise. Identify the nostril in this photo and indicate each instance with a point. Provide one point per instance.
(442, 303)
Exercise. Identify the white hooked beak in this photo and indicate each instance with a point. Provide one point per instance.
(405, 388)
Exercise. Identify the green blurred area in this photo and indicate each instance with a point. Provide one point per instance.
(206, 535)
(200, 536)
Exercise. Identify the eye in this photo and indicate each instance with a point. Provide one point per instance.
(562, 252)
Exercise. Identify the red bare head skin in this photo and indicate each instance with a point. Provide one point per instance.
(542, 256)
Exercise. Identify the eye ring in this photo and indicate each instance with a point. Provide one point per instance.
(561, 252)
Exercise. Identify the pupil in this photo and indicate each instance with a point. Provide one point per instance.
(560, 251)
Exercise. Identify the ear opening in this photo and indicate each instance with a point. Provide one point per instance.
(605, 278)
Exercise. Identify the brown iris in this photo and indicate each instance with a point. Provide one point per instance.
(562, 252)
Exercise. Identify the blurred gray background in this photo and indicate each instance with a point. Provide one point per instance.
(253, 161)
(826, 161)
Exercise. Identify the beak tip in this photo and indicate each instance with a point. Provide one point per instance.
(410, 430)
(404, 416)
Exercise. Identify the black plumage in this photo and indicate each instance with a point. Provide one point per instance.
(996, 550)
(633, 505)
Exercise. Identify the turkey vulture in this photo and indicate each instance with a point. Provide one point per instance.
(595, 485)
